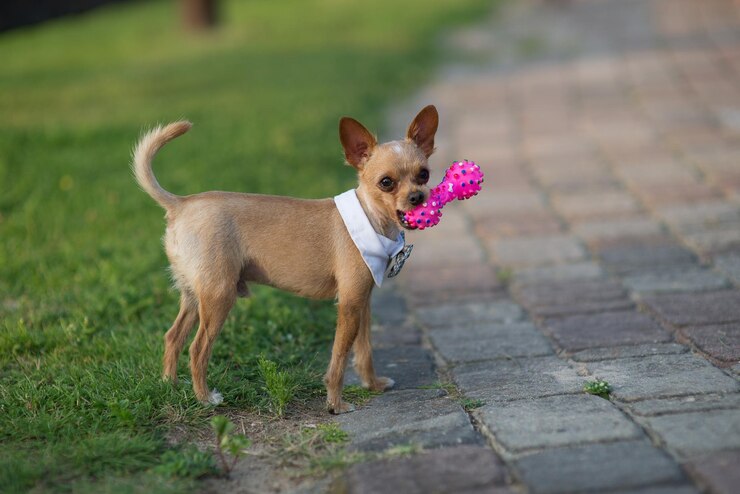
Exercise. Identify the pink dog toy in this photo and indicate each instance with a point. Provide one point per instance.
(462, 181)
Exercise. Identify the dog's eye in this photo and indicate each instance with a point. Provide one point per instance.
(424, 176)
(386, 183)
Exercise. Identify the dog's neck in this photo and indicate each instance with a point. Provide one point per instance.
(379, 222)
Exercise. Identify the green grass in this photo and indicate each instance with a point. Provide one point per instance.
(84, 292)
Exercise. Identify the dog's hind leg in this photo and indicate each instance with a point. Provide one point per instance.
(213, 307)
(175, 338)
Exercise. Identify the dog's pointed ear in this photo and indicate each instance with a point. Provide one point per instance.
(423, 128)
(357, 141)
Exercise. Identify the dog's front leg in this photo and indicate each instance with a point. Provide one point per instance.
(363, 361)
(349, 316)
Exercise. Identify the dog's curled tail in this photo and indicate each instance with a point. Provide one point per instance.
(143, 155)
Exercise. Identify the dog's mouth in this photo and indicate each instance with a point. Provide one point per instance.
(402, 220)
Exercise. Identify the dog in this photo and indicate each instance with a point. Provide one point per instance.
(218, 243)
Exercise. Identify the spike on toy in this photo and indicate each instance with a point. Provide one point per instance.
(462, 181)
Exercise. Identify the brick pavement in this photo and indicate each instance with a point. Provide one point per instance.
(606, 243)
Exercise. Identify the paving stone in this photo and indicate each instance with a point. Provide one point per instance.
(556, 421)
(451, 315)
(493, 226)
(607, 329)
(510, 178)
(585, 270)
(582, 307)
(388, 307)
(693, 434)
(637, 256)
(656, 173)
(609, 353)
(407, 334)
(572, 297)
(421, 301)
(628, 133)
(574, 178)
(484, 341)
(685, 279)
(716, 239)
(464, 469)
(598, 467)
(408, 366)
(514, 202)
(700, 214)
(570, 150)
(593, 204)
(423, 417)
(661, 375)
(456, 278)
(719, 341)
(552, 170)
(684, 309)
(660, 196)
(615, 228)
(433, 252)
(529, 251)
(719, 471)
(661, 489)
(547, 146)
(727, 181)
(599, 204)
(696, 403)
(729, 265)
(501, 380)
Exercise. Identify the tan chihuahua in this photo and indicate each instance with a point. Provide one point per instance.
(219, 242)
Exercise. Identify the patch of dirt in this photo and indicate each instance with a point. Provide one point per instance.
(260, 474)
(268, 466)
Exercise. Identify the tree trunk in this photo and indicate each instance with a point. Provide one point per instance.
(198, 14)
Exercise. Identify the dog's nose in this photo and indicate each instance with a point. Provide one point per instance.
(416, 198)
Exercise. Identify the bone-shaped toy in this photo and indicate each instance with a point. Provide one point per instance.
(462, 181)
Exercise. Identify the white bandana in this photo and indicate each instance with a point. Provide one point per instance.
(376, 249)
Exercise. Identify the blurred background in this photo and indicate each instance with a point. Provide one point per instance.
(264, 86)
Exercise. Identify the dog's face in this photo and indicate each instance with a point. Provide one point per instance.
(393, 176)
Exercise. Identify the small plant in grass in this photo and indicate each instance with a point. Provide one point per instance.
(471, 404)
(279, 385)
(598, 388)
(228, 443)
(504, 276)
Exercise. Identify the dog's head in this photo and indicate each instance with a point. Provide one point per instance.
(392, 176)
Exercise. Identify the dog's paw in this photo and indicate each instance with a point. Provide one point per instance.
(215, 398)
(343, 407)
(170, 379)
(381, 384)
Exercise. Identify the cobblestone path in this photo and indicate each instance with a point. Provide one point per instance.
(606, 244)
